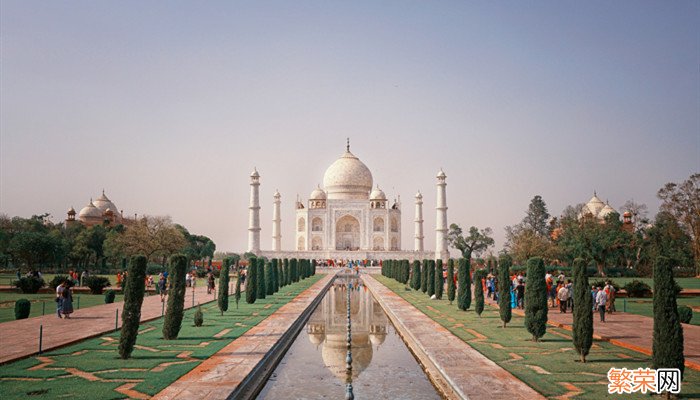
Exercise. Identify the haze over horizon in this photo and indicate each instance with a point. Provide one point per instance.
(168, 106)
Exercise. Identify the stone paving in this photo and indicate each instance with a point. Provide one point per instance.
(631, 331)
(456, 368)
(219, 375)
(21, 338)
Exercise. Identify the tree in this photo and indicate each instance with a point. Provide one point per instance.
(537, 217)
(176, 297)
(153, 237)
(31, 247)
(479, 291)
(133, 299)
(450, 280)
(536, 299)
(439, 282)
(260, 289)
(415, 275)
(667, 345)
(222, 300)
(431, 278)
(294, 268)
(237, 293)
(504, 286)
(464, 291)
(524, 243)
(287, 272)
(269, 279)
(275, 276)
(666, 238)
(424, 277)
(476, 242)
(583, 311)
(251, 283)
(683, 202)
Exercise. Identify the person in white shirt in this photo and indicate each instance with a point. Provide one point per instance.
(563, 296)
(600, 300)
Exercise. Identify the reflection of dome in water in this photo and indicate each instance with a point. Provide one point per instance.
(334, 352)
(317, 333)
(377, 334)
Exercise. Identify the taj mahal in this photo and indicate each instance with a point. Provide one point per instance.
(348, 218)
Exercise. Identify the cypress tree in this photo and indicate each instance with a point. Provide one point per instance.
(415, 277)
(269, 285)
(251, 282)
(667, 346)
(536, 299)
(583, 312)
(260, 289)
(287, 273)
(424, 277)
(431, 278)
(462, 284)
(300, 269)
(275, 276)
(222, 301)
(439, 279)
(237, 293)
(504, 285)
(313, 267)
(294, 269)
(451, 280)
(478, 291)
(133, 299)
(176, 297)
(305, 268)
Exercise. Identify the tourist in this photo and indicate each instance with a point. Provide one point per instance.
(551, 292)
(563, 297)
(211, 281)
(67, 301)
(188, 279)
(59, 297)
(83, 275)
(601, 300)
(610, 292)
(570, 288)
(520, 293)
(594, 294)
(161, 287)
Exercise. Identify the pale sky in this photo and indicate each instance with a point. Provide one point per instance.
(168, 106)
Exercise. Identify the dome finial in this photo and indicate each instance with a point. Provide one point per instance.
(347, 147)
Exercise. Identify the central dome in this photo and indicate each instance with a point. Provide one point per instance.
(348, 178)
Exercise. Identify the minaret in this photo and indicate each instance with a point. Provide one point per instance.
(441, 220)
(419, 222)
(254, 220)
(276, 221)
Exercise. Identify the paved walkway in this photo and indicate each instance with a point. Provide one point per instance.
(219, 375)
(21, 338)
(631, 331)
(454, 366)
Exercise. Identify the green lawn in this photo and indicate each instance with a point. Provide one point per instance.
(644, 306)
(549, 366)
(45, 303)
(92, 369)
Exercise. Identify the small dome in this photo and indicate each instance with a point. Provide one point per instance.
(441, 174)
(348, 178)
(255, 173)
(277, 194)
(377, 338)
(90, 211)
(627, 214)
(419, 195)
(317, 338)
(317, 194)
(606, 211)
(71, 211)
(377, 194)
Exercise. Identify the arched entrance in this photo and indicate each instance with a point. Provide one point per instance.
(347, 233)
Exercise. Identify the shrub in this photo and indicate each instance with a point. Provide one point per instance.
(109, 296)
(29, 284)
(463, 285)
(251, 281)
(222, 300)
(583, 311)
(536, 299)
(415, 275)
(601, 283)
(269, 281)
(431, 278)
(237, 293)
(450, 280)
(96, 283)
(22, 308)
(637, 289)
(287, 273)
(198, 316)
(479, 274)
(667, 344)
(685, 314)
(439, 282)
(57, 280)
(275, 276)
(293, 268)
(133, 299)
(424, 277)
(504, 285)
(260, 290)
(176, 297)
